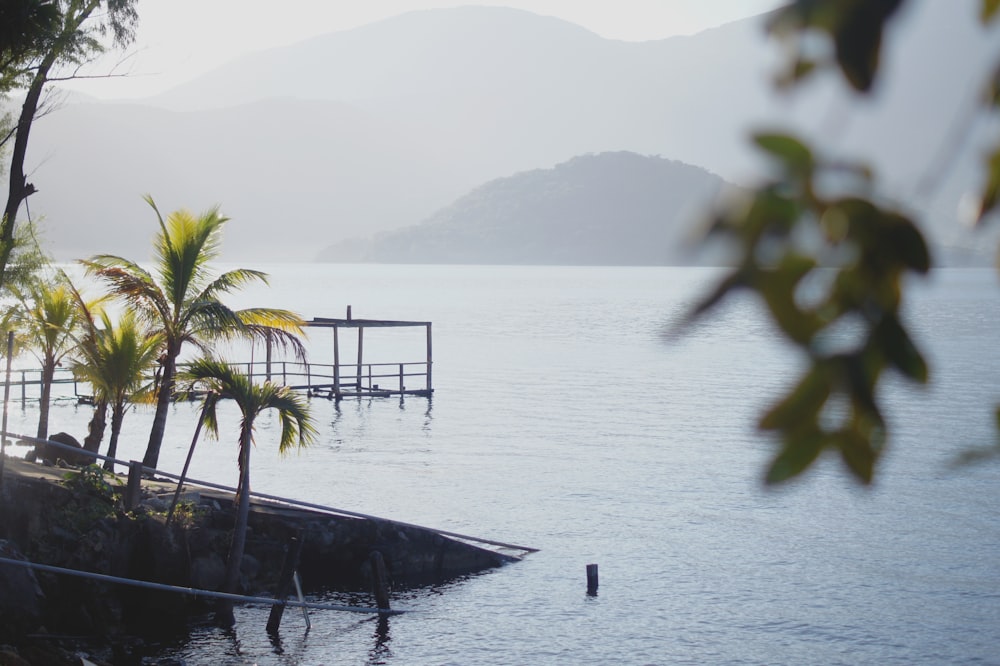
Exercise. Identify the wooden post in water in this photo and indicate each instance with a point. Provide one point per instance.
(292, 553)
(380, 580)
(133, 491)
(592, 579)
(361, 347)
(24, 389)
(336, 360)
(429, 361)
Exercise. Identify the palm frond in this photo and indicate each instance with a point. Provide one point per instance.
(233, 280)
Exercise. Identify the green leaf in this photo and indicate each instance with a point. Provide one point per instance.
(989, 10)
(803, 404)
(898, 347)
(991, 190)
(778, 287)
(907, 242)
(796, 456)
(732, 281)
(857, 453)
(795, 154)
(861, 384)
(858, 39)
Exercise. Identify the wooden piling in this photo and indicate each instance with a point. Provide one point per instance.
(133, 491)
(292, 553)
(380, 580)
(592, 579)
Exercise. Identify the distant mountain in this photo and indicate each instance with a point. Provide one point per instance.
(609, 209)
(373, 129)
(291, 175)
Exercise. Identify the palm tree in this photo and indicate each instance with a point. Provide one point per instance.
(116, 361)
(48, 320)
(222, 382)
(180, 299)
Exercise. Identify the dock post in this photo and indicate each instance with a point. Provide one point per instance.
(292, 553)
(430, 384)
(336, 360)
(24, 389)
(361, 347)
(380, 583)
(592, 580)
(401, 387)
(133, 491)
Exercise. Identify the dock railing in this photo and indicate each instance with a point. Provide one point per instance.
(343, 381)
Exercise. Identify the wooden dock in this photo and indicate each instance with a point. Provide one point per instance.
(353, 378)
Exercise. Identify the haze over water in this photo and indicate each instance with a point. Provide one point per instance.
(562, 420)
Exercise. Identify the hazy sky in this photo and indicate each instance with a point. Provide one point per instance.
(179, 39)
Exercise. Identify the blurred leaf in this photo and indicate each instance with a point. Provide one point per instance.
(991, 190)
(989, 10)
(732, 281)
(907, 241)
(778, 287)
(861, 383)
(857, 453)
(803, 404)
(900, 350)
(795, 154)
(795, 457)
(991, 94)
(858, 39)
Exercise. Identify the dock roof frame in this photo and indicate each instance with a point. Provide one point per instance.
(361, 325)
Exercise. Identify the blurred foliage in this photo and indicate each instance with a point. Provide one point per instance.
(828, 257)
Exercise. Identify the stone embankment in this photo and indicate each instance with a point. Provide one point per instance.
(75, 518)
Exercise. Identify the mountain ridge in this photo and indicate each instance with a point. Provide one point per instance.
(392, 133)
(615, 208)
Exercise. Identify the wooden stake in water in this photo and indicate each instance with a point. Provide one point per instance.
(380, 580)
(292, 554)
(592, 579)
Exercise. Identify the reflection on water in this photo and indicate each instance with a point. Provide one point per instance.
(562, 421)
(381, 652)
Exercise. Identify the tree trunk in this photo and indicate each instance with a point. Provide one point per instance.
(48, 372)
(224, 612)
(18, 187)
(117, 416)
(164, 395)
(95, 429)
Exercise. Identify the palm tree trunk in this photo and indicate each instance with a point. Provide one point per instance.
(224, 612)
(95, 429)
(117, 416)
(48, 372)
(163, 398)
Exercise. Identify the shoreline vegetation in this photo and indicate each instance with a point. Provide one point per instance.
(76, 518)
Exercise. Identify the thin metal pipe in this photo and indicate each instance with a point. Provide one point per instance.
(294, 502)
(191, 590)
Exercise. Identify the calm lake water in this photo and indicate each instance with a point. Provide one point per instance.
(563, 420)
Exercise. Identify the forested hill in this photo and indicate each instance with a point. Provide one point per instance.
(616, 208)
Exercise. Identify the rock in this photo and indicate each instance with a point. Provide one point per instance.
(51, 455)
(21, 598)
(10, 658)
(208, 572)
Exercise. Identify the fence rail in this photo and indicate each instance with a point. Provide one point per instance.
(339, 381)
(320, 379)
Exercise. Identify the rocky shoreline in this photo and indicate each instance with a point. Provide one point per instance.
(75, 518)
